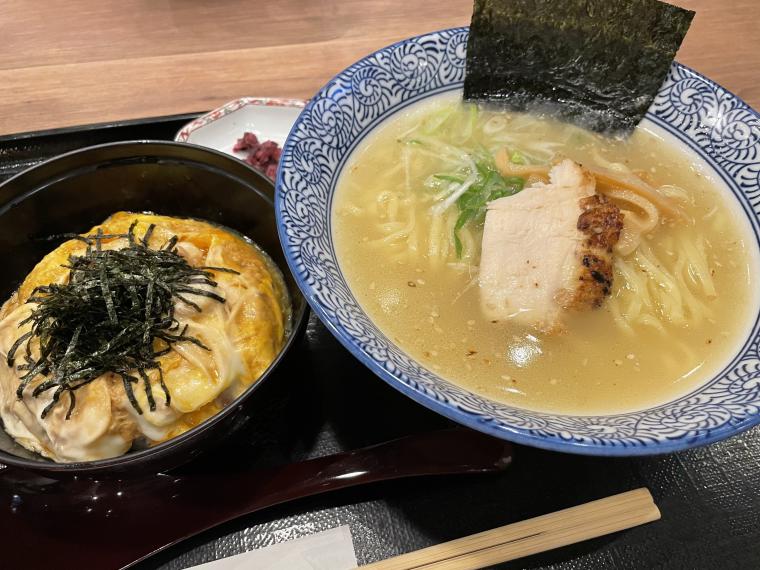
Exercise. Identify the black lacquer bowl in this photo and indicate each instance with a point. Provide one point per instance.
(75, 191)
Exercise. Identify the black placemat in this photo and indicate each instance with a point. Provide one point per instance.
(323, 400)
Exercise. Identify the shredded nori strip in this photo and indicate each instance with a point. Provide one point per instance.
(598, 63)
(114, 314)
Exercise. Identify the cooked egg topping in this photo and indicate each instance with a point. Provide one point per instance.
(241, 336)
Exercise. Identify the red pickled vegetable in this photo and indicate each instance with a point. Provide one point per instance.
(262, 156)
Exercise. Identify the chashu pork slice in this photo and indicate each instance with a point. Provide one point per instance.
(548, 250)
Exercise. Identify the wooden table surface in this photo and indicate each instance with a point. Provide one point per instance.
(70, 62)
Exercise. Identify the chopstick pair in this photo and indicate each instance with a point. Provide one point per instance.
(531, 536)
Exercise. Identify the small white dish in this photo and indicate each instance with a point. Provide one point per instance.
(267, 118)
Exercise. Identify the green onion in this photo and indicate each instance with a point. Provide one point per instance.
(491, 185)
(449, 178)
(518, 158)
(435, 121)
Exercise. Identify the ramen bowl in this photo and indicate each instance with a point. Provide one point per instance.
(713, 127)
(75, 191)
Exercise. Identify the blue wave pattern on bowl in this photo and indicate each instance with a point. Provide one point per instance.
(715, 123)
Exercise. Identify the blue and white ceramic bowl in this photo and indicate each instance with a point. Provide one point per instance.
(690, 110)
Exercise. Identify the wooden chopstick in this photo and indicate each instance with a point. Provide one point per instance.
(531, 536)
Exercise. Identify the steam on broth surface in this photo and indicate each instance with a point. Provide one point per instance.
(681, 290)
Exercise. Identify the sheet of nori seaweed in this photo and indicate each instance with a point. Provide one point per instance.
(598, 63)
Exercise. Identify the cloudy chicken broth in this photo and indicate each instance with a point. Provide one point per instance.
(410, 250)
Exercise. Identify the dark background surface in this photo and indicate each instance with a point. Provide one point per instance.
(323, 401)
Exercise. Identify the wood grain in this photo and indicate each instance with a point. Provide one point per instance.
(68, 62)
(517, 540)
